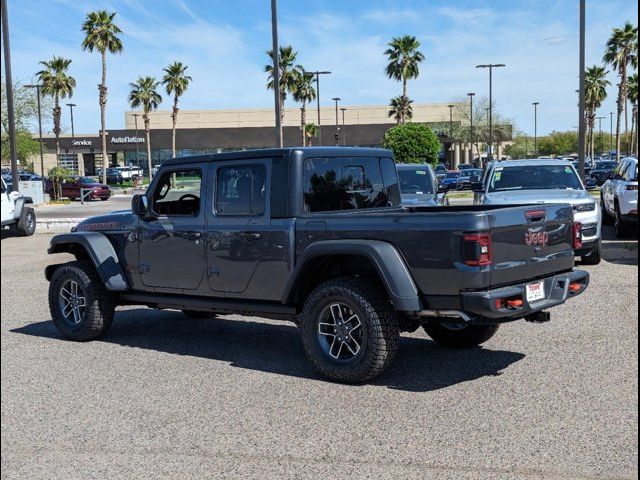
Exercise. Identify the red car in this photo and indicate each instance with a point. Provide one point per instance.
(72, 189)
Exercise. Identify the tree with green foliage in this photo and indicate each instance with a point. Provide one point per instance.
(26, 147)
(621, 52)
(400, 109)
(310, 131)
(102, 34)
(558, 143)
(412, 143)
(175, 82)
(289, 73)
(304, 92)
(520, 147)
(25, 107)
(58, 175)
(595, 92)
(632, 83)
(57, 84)
(404, 58)
(144, 93)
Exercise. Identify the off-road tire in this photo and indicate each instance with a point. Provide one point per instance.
(26, 225)
(467, 337)
(380, 337)
(100, 305)
(596, 256)
(198, 315)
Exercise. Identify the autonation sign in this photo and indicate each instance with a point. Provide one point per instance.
(127, 139)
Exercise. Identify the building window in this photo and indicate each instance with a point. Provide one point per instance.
(69, 161)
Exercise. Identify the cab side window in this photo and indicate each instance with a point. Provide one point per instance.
(240, 190)
(178, 193)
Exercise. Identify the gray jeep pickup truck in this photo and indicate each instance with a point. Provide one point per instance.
(316, 236)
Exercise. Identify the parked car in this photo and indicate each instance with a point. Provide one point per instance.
(602, 171)
(419, 186)
(441, 171)
(130, 172)
(72, 188)
(465, 166)
(114, 176)
(316, 236)
(450, 181)
(541, 182)
(467, 177)
(619, 198)
(17, 214)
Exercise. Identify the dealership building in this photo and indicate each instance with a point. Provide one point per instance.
(211, 131)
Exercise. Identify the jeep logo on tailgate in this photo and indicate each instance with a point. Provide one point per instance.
(533, 238)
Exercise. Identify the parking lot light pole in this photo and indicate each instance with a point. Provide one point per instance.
(276, 73)
(73, 139)
(317, 73)
(535, 128)
(610, 132)
(135, 120)
(337, 135)
(37, 87)
(9, 83)
(581, 104)
(600, 133)
(344, 128)
(471, 94)
(491, 66)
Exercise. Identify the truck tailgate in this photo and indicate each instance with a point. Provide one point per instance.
(530, 241)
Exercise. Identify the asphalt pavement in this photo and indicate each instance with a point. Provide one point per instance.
(162, 396)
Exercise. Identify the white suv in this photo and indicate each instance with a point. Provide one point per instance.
(619, 198)
(15, 212)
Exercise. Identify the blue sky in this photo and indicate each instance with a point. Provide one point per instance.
(224, 44)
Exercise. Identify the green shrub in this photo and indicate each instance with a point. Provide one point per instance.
(412, 143)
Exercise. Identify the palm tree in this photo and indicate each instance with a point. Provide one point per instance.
(595, 92)
(304, 93)
(289, 74)
(632, 85)
(101, 34)
(56, 83)
(400, 109)
(175, 82)
(310, 131)
(144, 94)
(404, 57)
(620, 52)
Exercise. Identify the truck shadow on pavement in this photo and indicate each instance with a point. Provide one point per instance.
(421, 365)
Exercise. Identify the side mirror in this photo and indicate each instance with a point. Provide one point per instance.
(443, 188)
(139, 205)
(591, 183)
(477, 187)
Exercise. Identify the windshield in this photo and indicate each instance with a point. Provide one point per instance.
(441, 168)
(453, 175)
(606, 165)
(471, 172)
(535, 177)
(86, 180)
(415, 181)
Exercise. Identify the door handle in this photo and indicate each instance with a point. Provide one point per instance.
(250, 235)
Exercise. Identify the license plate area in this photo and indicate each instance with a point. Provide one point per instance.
(535, 291)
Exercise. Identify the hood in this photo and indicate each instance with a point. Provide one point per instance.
(573, 197)
(120, 220)
(415, 199)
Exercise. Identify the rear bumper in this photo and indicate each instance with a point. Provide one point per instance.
(556, 291)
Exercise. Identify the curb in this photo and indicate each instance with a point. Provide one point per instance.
(44, 225)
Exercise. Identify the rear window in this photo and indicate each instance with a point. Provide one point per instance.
(416, 181)
(453, 175)
(349, 183)
(535, 177)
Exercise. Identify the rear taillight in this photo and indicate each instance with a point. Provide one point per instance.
(476, 249)
(577, 235)
(631, 187)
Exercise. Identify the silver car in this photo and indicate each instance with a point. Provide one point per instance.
(518, 182)
(419, 186)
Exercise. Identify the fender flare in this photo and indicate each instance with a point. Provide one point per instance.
(390, 266)
(19, 204)
(99, 250)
